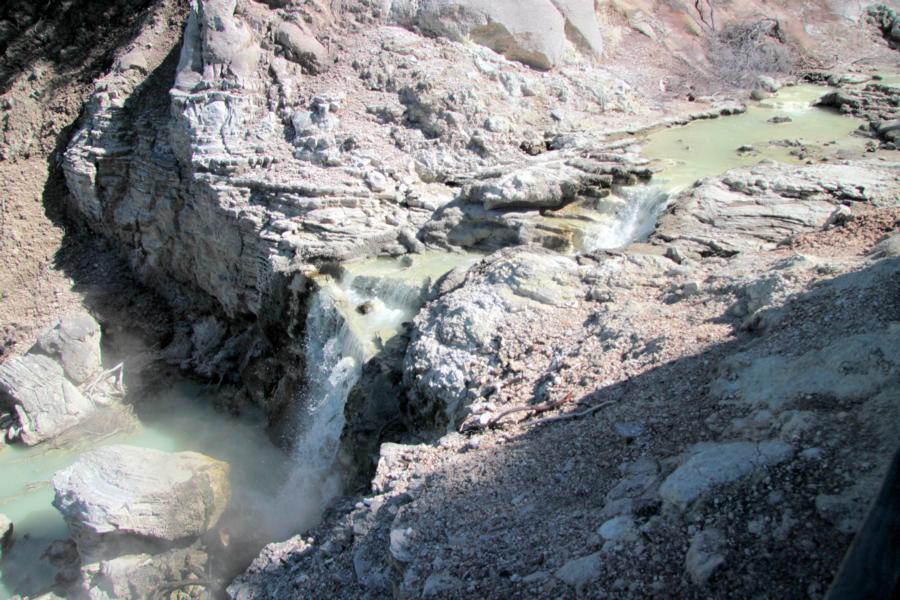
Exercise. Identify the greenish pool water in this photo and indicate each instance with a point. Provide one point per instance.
(786, 128)
(710, 147)
(179, 418)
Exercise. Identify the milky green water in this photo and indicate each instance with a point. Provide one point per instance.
(179, 418)
(710, 147)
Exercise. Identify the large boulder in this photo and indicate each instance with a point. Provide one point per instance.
(302, 47)
(533, 32)
(74, 341)
(35, 387)
(123, 499)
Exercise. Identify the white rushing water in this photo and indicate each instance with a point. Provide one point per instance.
(349, 321)
(633, 213)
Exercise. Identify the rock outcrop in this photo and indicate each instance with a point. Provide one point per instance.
(136, 516)
(534, 32)
(758, 208)
(666, 434)
(42, 389)
(119, 493)
(457, 335)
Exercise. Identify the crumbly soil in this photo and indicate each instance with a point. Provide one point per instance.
(47, 265)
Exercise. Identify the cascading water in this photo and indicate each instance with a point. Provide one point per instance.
(348, 322)
(772, 129)
(635, 211)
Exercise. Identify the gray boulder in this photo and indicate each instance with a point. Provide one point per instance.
(302, 48)
(710, 465)
(889, 247)
(704, 556)
(74, 341)
(534, 32)
(45, 402)
(117, 497)
(579, 572)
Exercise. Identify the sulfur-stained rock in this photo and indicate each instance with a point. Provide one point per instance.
(117, 494)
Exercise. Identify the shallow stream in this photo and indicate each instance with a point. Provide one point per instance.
(785, 128)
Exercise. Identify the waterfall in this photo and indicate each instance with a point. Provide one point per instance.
(348, 322)
(635, 209)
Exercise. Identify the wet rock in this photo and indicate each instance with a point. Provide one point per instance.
(705, 555)
(74, 341)
(712, 464)
(45, 402)
(117, 496)
(579, 572)
(6, 533)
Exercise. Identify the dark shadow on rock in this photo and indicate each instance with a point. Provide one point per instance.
(65, 33)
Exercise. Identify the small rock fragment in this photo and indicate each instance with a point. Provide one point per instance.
(704, 555)
(579, 572)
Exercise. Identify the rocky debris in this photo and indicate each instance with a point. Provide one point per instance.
(74, 341)
(142, 575)
(758, 208)
(120, 494)
(7, 533)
